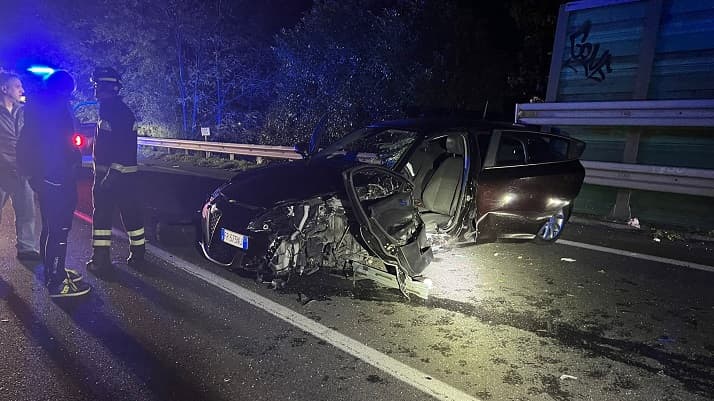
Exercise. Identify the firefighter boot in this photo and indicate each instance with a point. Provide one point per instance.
(136, 256)
(100, 259)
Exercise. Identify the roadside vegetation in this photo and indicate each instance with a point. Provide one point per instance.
(197, 159)
(266, 72)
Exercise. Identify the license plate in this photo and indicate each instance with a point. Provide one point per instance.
(235, 239)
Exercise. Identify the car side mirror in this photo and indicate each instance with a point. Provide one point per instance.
(303, 148)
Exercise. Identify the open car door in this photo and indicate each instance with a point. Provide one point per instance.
(389, 221)
(528, 180)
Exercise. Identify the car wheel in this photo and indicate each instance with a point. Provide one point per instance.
(551, 230)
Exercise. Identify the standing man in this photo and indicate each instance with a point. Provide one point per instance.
(12, 183)
(115, 173)
(45, 151)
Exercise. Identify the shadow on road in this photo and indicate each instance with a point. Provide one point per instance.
(70, 367)
(696, 372)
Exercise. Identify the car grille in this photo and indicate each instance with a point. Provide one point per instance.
(221, 251)
(213, 218)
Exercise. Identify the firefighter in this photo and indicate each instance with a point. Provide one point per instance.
(115, 173)
(45, 153)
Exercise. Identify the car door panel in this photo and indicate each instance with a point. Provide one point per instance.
(389, 221)
(513, 200)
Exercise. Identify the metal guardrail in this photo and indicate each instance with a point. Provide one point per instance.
(678, 180)
(278, 152)
(620, 175)
(635, 113)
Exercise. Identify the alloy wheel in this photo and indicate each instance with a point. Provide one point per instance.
(551, 229)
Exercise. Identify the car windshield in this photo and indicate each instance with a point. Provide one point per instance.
(372, 145)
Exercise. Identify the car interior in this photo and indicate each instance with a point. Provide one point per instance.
(437, 171)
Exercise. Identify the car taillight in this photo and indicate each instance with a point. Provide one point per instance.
(78, 140)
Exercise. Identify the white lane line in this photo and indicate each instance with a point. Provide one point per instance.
(413, 377)
(637, 255)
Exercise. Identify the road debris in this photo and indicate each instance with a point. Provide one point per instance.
(602, 271)
(570, 260)
(665, 339)
(657, 239)
(4, 320)
(634, 222)
(568, 377)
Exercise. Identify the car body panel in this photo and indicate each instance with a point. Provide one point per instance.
(282, 182)
(514, 200)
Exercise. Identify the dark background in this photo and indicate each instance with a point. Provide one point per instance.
(267, 71)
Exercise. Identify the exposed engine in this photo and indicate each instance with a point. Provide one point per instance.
(311, 235)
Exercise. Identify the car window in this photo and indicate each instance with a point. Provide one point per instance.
(521, 148)
(511, 151)
(383, 146)
(546, 148)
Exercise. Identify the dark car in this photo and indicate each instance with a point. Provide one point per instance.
(380, 200)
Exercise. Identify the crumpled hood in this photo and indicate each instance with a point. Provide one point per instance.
(297, 180)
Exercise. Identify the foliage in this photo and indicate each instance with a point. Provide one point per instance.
(365, 60)
(350, 60)
(188, 64)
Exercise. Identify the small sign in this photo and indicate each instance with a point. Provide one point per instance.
(205, 131)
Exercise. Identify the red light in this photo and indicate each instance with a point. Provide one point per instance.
(78, 140)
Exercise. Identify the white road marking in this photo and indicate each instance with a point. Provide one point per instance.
(413, 377)
(637, 255)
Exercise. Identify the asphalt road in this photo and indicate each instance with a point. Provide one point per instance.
(504, 322)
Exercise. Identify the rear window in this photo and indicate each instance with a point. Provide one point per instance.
(520, 148)
(511, 151)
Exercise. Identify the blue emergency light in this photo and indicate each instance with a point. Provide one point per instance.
(41, 70)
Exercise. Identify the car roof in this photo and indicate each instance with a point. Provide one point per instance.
(429, 125)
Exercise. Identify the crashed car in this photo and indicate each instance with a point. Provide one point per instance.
(379, 202)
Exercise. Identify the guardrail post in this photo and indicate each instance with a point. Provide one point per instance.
(622, 210)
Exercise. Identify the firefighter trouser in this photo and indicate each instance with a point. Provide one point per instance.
(119, 192)
(57, 204)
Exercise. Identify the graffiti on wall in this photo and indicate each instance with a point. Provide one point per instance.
(587, 55)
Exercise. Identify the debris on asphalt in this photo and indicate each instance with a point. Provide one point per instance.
(601, 271)
(634, 222)
(657, 239)
(520, 257)
(668, 235)
(665, 339)
(304, 299)
(567, 260)
(566, 377)
(495, 254)
(4, 320)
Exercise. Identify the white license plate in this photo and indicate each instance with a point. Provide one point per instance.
(235, 239)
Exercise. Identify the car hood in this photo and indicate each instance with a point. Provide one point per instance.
(301, 179)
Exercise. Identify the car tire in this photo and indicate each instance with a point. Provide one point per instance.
(552, 229)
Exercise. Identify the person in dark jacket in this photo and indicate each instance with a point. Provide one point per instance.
(115, 173)
(47, 154)
(12, 184)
